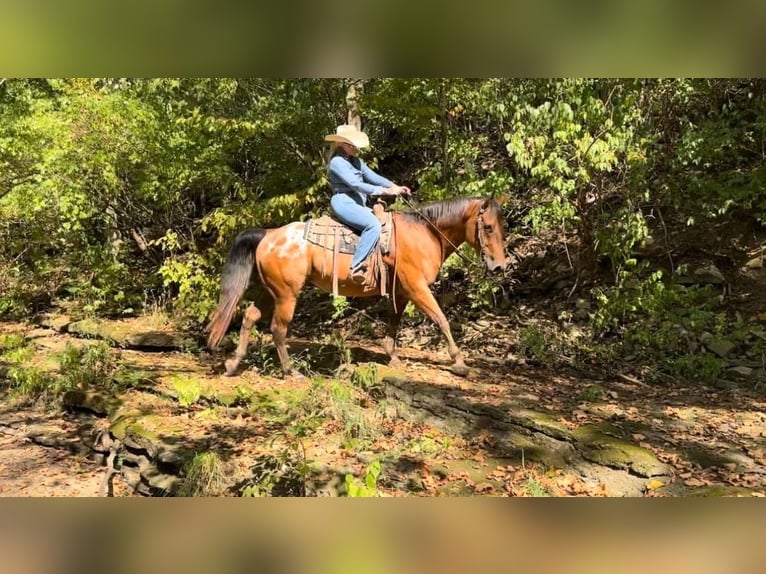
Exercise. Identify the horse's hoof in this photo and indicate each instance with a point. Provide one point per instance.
(295, 375)
(231, 367)
(459, 369)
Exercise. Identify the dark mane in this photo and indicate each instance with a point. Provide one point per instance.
(446, 212)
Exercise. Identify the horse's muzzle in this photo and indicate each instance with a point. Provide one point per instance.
(493, 266)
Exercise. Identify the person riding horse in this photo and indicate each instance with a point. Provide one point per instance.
(353, 181)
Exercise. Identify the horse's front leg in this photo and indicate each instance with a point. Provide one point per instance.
(424, 300)
(394, 320)
(252, 314)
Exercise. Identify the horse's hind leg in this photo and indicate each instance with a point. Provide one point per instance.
(252, 314)
(283, 314)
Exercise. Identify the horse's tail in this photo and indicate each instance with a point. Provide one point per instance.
(234, 282)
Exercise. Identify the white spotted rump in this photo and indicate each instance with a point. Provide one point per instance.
(287, 243)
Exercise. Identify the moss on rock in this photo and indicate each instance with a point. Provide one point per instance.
(597, 445)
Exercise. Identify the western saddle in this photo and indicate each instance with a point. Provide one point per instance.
(337, 238)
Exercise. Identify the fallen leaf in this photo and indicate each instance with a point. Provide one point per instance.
(653, 484)
(638, 437)
(484, 487)
(693, 482)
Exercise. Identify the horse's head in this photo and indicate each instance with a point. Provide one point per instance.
(485, 233)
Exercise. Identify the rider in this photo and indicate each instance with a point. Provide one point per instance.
(352, 183)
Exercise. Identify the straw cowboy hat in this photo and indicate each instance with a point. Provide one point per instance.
(349, 134)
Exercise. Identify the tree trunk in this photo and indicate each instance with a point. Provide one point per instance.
(355, 90)
(446, 166)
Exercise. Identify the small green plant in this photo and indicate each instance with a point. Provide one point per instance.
(541, 347)
(15, 349)
(90, 366)
(346, 410)
(187, 389)
(11, 342)
(367, 489)
(340, 306)
(283, 474)
(240, 397)
(31, 382)
(592, 393)
(344, 353)
(535, 489)
(204, 476)
(22, 380)
(300, 411)
(429, 445)
(695, 367)
(365, 376)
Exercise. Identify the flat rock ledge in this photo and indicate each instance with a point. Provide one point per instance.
(595, 451)
(116, 334)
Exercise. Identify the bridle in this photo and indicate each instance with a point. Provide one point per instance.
(480, 231)
(482, 240)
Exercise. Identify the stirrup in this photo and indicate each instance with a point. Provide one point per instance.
(357, 273)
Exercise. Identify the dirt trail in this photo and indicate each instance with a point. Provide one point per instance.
(39, 457)
(506, 429)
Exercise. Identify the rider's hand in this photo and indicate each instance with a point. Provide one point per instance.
(398, 190)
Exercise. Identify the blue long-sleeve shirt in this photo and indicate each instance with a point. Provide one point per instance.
(358, 182)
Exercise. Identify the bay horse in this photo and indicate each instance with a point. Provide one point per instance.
(422, 239)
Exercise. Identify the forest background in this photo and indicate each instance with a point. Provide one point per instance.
(119, 196)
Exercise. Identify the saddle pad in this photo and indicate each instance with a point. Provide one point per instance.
(321, 232)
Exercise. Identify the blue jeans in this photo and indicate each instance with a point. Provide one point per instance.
(359, 218)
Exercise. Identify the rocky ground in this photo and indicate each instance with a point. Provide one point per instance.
(506, 429)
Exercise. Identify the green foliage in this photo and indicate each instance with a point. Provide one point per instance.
(15, 348)
(300, 411)
(694, 367)
(542, 347)
(592, 393)
(119, 192)
(32, 382)
(24, 381)
(339, 342)
(355, 423)
(367, 489)
(240, 397)
(188, 389)
(365, 376)
(651, 297)
(93, 365)
(535, 489)
(661, 324)
(204, 476)
(340, 306)
(285, 474)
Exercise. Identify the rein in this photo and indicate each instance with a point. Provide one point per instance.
(479, 235)
(439, 232)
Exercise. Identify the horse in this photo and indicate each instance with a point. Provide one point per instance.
(422, 239)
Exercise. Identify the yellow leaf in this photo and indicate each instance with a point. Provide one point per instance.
(654, 484)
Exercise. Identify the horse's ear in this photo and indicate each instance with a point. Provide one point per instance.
(502, 198)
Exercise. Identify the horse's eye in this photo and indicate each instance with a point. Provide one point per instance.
(488, 229)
